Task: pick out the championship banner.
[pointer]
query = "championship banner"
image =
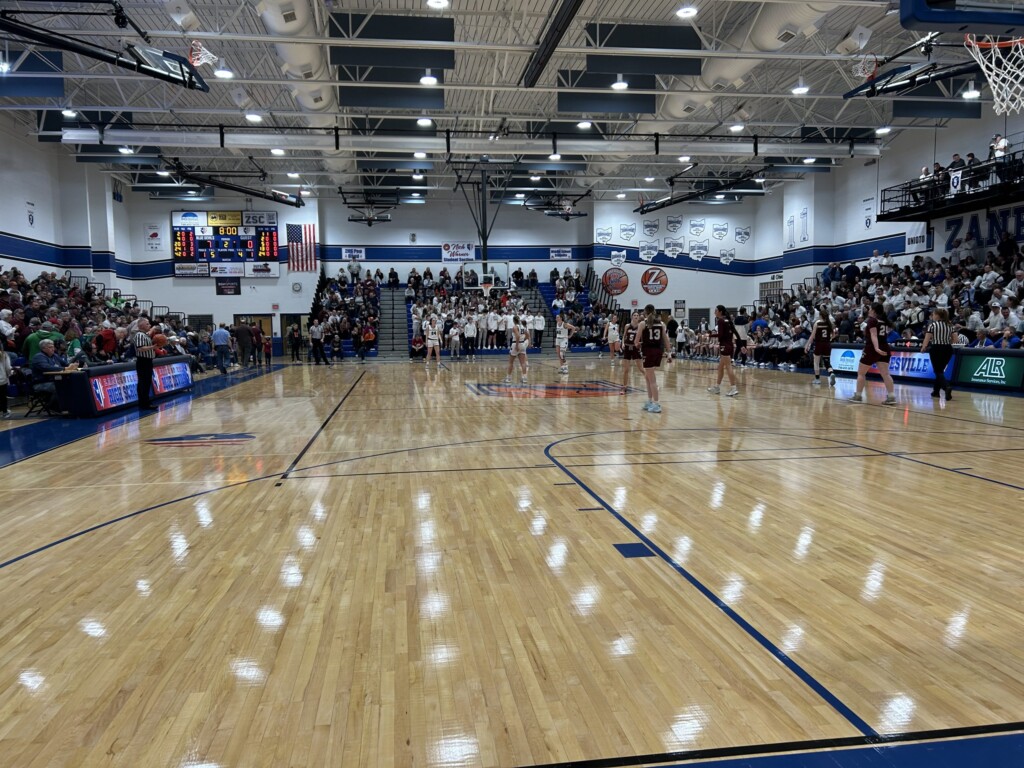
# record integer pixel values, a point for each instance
(561, 254)
(954, 181)
(458, 252)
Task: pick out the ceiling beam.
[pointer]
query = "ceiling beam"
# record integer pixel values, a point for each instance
(561, 18)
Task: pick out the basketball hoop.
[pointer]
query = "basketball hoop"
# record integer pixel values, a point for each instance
(198, 54)
(866, 67)
(1002, 62)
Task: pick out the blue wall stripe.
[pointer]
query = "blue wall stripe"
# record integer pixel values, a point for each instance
(82, 257)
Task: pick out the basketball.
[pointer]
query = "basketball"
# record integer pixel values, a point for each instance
(159, 340)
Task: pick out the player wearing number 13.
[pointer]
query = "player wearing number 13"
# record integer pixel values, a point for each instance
(655, 345)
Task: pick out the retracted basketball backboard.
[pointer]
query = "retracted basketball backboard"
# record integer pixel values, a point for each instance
(973, 16)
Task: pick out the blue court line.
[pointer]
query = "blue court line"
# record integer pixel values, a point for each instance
(28, 440)
(746, 626)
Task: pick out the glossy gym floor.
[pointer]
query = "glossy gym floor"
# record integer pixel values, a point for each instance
(380, 565)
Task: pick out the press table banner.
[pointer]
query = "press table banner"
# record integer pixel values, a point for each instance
(906, 364)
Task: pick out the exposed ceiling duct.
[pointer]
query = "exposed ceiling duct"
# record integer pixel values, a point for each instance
(305, 61)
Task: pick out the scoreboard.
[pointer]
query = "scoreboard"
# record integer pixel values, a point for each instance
(201, 249)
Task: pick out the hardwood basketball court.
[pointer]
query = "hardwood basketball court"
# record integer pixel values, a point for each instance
(425, 568)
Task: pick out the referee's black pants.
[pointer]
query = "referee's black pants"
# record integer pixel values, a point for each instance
(940, 355)
(144, 371)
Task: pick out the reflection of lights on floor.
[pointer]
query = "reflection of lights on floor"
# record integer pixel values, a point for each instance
(586, 599)
(270, 618)
(557, 555)
(248, 671)
(717, 494)
(733, 590)
(179, 546)
(525, 499)
(32, 680)
(755, 519)
(956, 628)
(803, 543)
(440, 655)
(318, 511)
(291, 574)
(454, 752)
(793, 638)
(306, 537)
(682, 551)
(874, 581)
(423, 500)
(623, 646)
(897, 714)
(92, 628)
(648, 523)
(434, 605)
(685, 728)
(427, 532)
(143, 587)
(428, 562)
(203, 514)
(538, 525)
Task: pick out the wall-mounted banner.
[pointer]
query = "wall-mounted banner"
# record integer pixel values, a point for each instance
(654, 281)
(604, 235)
(461, 251)
(697, 227)
(260, 269)
(679, 312)
(154, 240)
(191, 270)
(229, 286)
(627, 231)
(615, 281)
(189, 219)
(651, 227)
(30, 214)
(742, 234)
(674, 247)
(224, 218)
(954, 181)
(349, 253)
(674, 223)
(649, 249)
(698, 249)
(228, 269)
(618, 258)
(561, 254)
(727, 256)
(720, 230)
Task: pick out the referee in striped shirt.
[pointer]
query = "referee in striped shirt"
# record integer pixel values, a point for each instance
(939, 346)
(145, 353)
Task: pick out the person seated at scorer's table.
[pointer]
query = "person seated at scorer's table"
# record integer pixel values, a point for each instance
(45, 361)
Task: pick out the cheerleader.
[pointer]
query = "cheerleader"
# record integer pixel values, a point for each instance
(562, 333)
(432, 334)
(822, 334)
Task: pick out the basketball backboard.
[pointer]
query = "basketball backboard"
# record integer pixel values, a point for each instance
(988, 18)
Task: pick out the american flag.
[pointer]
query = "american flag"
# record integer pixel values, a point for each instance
(302, 248)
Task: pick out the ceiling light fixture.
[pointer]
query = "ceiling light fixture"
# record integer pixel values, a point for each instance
(800, 89)
(619, 84)
(520, 195)
(649, 179)
(621, 195)
(417, 177)
(163, 173)
(883, 130)
(972, 92)
(126, 150)
(684, 158)
(428, 79)
(760, 179)
(420, 155)
(810, 160)
(424, 122)
(5, 66)
(584, 125)
(686, 12)
(254, 117)
(277, 152)
(69, 113)
(416, 194)
(304, 192)
(736, 127)
(719, 197)
(437, 5)
(554, 156)
(292, 175)
(222, 71)
(535, 178)
(193, 192)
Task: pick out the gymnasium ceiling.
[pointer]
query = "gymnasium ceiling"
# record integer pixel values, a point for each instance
(493, 43)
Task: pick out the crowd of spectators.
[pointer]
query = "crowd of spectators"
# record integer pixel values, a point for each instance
(980, 289)
(933, 182)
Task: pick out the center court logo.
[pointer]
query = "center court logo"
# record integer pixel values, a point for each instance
(654, 281)
(615, 281)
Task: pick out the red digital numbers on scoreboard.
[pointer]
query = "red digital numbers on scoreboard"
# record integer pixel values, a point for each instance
(184, 247)
(267, 244)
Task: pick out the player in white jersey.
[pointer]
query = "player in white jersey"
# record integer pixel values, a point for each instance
(611, 337)
(432, 333)
(562, 333)
(518, 343)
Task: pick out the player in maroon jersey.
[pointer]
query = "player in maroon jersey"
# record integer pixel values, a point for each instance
(654, 345)
(727, 338)
(876, 352)
(820, 345)
(630, 349)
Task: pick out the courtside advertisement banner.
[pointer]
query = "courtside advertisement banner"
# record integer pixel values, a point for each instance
(169, 378)
(991, 370)
(908, 365)
(115, 389)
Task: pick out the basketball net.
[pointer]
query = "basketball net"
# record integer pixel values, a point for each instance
(198, 54)
(866, 67)
(1002, 63)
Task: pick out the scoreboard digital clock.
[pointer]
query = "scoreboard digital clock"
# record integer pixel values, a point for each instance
(204, 250)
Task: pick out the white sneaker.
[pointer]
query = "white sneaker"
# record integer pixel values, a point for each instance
(715, 390)
(732, 392)
(655, 408)
(890, 400)
(647, 405)
(507, 380)
(564, 369)
(816, 382)
(7, 414)
(855, 398)
(831, 379)
(523, 380)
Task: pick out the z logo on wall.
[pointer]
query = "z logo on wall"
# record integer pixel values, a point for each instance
(727, 256)
(674, 223)
(651, 227)
(697, 227)
(627, 231)
(742, 234)
(719, 231)
(604, 235)
(649, 249)
(654, 281)
(618, 258)
(673, 247)
(698, 249)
